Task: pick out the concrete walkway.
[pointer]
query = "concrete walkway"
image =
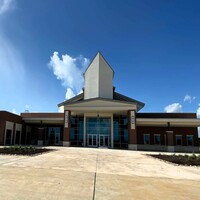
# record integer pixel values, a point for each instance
(83, 173)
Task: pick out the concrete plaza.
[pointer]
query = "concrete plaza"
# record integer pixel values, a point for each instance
(85, 173)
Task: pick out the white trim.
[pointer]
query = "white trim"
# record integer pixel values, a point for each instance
(100, 104)
(164, 122)
(42, 119)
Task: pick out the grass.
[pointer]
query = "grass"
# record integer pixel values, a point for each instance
(23, 150)
(187, 160)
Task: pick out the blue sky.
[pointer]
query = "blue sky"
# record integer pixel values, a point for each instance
(153, 47)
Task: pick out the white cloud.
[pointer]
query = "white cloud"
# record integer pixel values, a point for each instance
(14, 111)
(69, 94)
(27, 108)
(188, 98)
(69, 70)
(173, 108)
(6, 5)
(80, 91)
(11, 61)
(61, 109)
(198, 111)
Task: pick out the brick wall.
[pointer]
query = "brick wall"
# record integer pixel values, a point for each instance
(141, 130)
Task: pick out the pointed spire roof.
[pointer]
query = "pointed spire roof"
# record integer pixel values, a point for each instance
(100, 59)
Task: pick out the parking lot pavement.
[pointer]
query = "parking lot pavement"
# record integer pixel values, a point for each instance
(85, 173)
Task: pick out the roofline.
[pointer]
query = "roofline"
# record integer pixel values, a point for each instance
(143, 104)
(5, 111)
(69, 100)
(99, 98)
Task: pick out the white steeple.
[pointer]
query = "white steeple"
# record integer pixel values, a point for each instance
(98, 79)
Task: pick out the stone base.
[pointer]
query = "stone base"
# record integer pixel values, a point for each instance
(132, 147)
(188, 149)
(147, 147)
(66, 143)
(170, 148)
(40, 142)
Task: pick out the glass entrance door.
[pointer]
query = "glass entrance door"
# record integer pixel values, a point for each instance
(92, 140)
(98, 131)
(103, 140)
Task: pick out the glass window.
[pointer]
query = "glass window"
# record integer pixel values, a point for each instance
(17, 137)
(146, 139)
(120, 131)
(190, 140)
(98, 130)
(54, 136)
(178, 139)
(76, 130)
(157, 139)
(8, 137)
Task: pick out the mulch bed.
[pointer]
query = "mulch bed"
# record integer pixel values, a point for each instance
(25, 153)
(187, 160)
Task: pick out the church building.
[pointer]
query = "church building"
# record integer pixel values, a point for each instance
(102, 117)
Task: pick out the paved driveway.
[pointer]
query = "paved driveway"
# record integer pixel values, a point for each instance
(84, 173)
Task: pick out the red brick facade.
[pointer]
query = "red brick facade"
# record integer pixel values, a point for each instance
(184, 131)
(6, 116)
(39, 129)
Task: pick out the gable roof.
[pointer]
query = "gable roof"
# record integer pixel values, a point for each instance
(116, 97)
(121, 97)
(78, 97)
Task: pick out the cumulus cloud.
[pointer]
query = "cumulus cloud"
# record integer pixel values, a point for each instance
(69, 94)
(6, 5)
(61, 109)
(173, 108)
(69, 71)
(188, 98)
(198, 111)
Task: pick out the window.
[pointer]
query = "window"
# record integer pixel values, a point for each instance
(146, 139)
(190, 140)
(8, 140)
(120, 131)
(157, 139)
(17, 137)
(178, 139)
(76, 130)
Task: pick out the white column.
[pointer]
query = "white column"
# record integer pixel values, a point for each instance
(112, 135)
(84, 131)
